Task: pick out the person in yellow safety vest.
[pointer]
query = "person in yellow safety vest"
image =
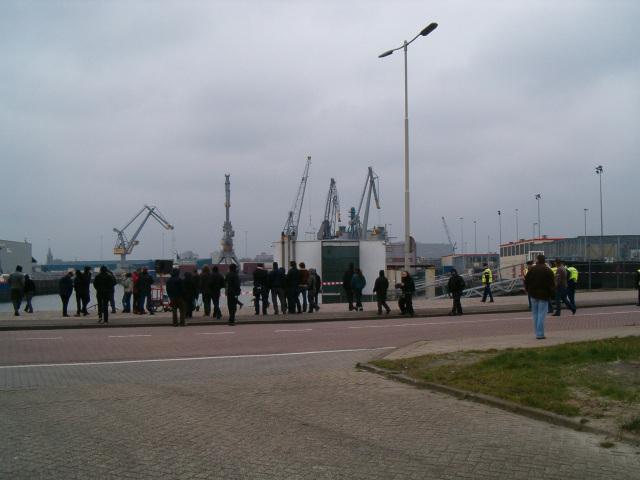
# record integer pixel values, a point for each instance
(487, 279)
(572, 281)
(638, 286)
(526, 270)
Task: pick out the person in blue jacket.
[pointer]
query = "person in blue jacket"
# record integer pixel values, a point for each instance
(358, 282)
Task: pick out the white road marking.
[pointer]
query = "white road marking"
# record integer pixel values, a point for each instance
(295, 330)
(188, 359)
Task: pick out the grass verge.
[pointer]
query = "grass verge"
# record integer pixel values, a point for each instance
(594, 379)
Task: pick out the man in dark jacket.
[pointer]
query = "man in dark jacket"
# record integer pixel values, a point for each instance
(29, 292)
(144, 289)
(380, 288)
(293, 281)
(260, 289)
(456, 286)
(176, 293)
(540, 285)
(408, 287)
(217, 284)
(65, 289)
(204, 287)
(232, 289)
(346, 284)
(85, 286)
(276, 279)
(104, 284)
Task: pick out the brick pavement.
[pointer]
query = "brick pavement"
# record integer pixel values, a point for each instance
(298, 417)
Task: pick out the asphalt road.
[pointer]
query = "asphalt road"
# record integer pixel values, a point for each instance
(272, 401)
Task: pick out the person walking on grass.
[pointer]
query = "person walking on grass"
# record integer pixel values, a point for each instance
(539, 283)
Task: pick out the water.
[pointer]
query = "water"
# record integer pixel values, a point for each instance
(52, 303)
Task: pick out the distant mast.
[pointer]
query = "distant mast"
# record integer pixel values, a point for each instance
(228, 255)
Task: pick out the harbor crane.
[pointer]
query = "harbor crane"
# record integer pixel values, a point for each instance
(358, 228)
(446, 229)
(290, 230)
(228, 255)
(329, 227)
(123, 245)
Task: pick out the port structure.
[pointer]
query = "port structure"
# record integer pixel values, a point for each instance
(358, 228)
(329, 227)
(125, 246)
(290, 230)
(446, 230)
(227, 255)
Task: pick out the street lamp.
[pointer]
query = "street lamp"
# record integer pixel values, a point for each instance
(599, 173)
(500, 242)
(538, 197)
(475, 238)
(407, 238)
(585, 245)
(489, 237)
(517, 233)
(533, 235)
(462, 236)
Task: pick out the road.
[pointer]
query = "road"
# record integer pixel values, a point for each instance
(272, 401)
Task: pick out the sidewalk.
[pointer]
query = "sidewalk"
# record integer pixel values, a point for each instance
(327, 313)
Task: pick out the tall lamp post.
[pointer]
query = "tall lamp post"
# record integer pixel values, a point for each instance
(585, 245)
(475, 238)
(462, 236)
(538, 197)
(517, 233)
(407, 237)
(533, 235)
(599, 173)
(500, 243)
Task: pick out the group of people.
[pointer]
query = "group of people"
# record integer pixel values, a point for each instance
(544, 283)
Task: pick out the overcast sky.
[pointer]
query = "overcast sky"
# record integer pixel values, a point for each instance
(106, 106)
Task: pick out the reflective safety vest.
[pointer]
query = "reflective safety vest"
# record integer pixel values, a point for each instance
(573, 274)
(487, 276)
(554, 270)
(526, 270)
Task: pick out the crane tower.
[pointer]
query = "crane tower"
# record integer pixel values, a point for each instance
(123, 245)
(228, 255)
(290, 230)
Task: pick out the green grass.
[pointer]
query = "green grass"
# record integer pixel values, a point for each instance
(553, 378)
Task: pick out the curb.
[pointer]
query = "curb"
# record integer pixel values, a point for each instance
(534, 413)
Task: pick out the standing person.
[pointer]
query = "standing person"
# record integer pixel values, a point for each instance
(540, 286)
(112, 300)
(29, 292)
(358, 282)
(78, 286)
(176, 293)
(380, 288)
(261, 288)
(554, 269)
(456, 286)
(314, 287)
(276, 280)
(217, 284)
(86, 289)
(526, 270)
(561, 289)
(104, 285)
(191, 293)
(572, 281)
(196, 282)
(487, 279)
(16, 284)
(232, 289)
(127, 285)
(144, 289)
(293, 280)
(408, 287)
(204, 285)
(136, 293)
(302, 286)
(65, 289)
(346, 284)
